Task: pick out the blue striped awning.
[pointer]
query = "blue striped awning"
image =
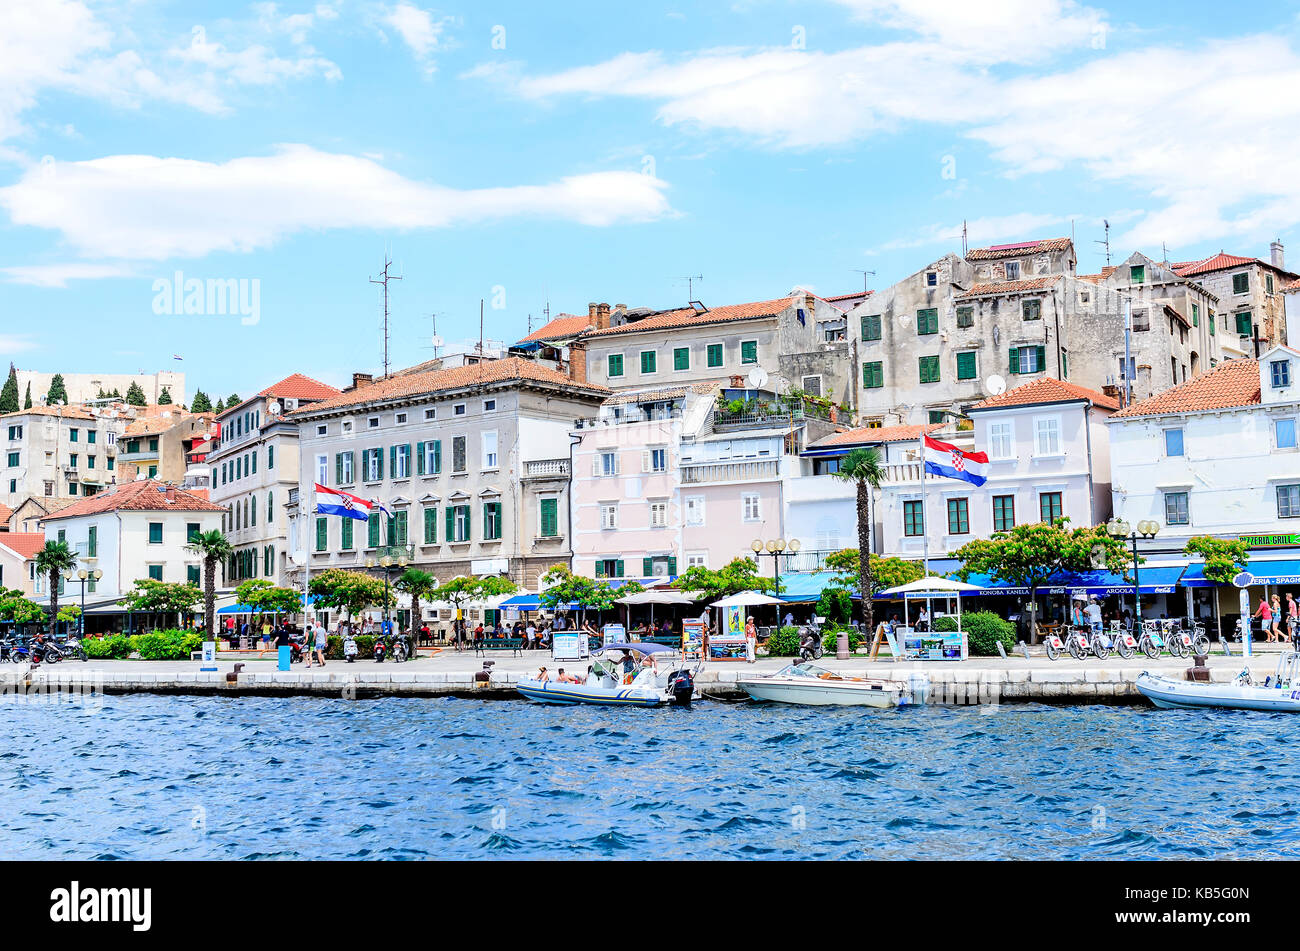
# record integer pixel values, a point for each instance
(1159, 579)
(1282, 571)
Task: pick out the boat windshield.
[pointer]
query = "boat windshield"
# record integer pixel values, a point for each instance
(806, 670)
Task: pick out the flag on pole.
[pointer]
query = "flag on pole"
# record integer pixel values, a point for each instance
(945, 459)
(342, 503)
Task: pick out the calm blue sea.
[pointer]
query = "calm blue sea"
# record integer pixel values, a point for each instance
(146, 777)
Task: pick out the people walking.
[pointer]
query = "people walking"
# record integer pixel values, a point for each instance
(322, 642)
(1265, 615)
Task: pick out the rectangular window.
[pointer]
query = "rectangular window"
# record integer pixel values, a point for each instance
(1049, 506)
(155, 533)
(1004, 512)
(374, 464)
(750, 507)
(1141, 320)
(92, 542)
(1280, 372)
(616, 364)
(966, 368)
(373, 530)
(491, 521)
(431, 524)
(191, 575)
(343, 467)
(1031, 359)
(1012, 270)
(1209, 321)
(345, 534)
(1244, 328)
(1241, 283)
(965, 316)
(72, 460)
(1268, 283)
(658, 514)
(1196, 315)
(458, 461)
(657, 460)
(609, 568)
(13, 459)
(1176, 508)
(1284, 433)
(714, 353)
(270, 457)
(928, 367)
(459, 523)
(549, 517)
(322, 470)
(873, 375)
(695, 510)
(1137, 274)
(1173, 442)
(871, 327)
(927, 321)
(749, 351)
(648, 361)
(322, 534)
(609, 516)
(155, 572)
(913, 519)
(607, 464)
(488, 445)
(958, 517)
(1031, 309)
(682, 358)
(431, 455)
(1047, 436)
(1001, 444)
(400, 461)
(1288, 501)
(72, 435)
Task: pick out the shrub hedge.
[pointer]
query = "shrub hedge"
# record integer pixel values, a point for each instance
(983, 631)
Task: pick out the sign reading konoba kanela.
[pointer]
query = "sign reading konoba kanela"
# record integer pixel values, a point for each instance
(1269, 541)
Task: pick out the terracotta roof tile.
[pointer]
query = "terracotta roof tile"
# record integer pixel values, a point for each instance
(562, 326)
(143, 495)
(1015, 250)
(69, 412)
(1232, 383)
(881, 434)
(6, 513)
(688, 316)
(1292, 288)
(23, 544)
(437, 381)
(662, 393)
(1010, 287)
(1219, 262)
(296, 386)
(1047, 389)
(838, 297)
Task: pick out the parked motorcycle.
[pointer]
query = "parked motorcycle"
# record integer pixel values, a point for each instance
(70, 649)
(400, 650)
(810, 643)
(349, 647)
(297, 648)
(381, 649)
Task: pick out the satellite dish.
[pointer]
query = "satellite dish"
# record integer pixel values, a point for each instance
(757, 378)
(436, 340)
(300, 558)
(274, 408)
(996, 384)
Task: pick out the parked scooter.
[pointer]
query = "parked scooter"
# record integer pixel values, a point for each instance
(349, 647)
(381, 649)
(400, 650)
(297, 648)
(810, 643)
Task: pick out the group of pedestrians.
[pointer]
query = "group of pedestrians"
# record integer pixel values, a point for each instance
(1278, 624)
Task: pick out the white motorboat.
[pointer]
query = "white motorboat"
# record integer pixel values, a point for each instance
(816, 686)
(615, 684)
(1279, 693)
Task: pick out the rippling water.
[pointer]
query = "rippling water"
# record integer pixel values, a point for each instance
(157, 777)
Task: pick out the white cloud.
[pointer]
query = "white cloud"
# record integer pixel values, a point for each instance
(16, 343)
(58, 275)
(147, 207)
(418, 30)
(254, 65)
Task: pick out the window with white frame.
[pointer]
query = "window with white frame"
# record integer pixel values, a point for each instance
(1001, 441)
(1280, 373)
(373, 422)
(655, 460)
(321, 429)
(1047, 436)
(399, 418)
(1176, 508)
(750, 507)
(1173, 442)
(373, 461)
(322, 470)
(658, 514)
(1288, 501)
(607, 464)
(489, 406)
(609, 515)
(695, 510)
(430, 414)
(401, 462)
(697, 559)
(1013, 270)
(1284, 436)
(489, 444)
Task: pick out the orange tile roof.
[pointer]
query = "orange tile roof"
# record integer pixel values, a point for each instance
(1010, 287)
(149, 425)
(1047, 389)
(662, 393)
(23, 544)
(688, 316)
(563, 325)
(1219, 262)
(1232, 383)
(6, 513)
(1292, 288)
(143, 495)
(1015, 250)
(296, 386)
(867, 435)
(511, 369)
(848, 296)
(69, 412)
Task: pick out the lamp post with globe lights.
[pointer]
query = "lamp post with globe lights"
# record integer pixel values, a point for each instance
(1146, 528)
(83, 575)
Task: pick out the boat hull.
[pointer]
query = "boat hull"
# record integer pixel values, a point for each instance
(1193, 695)
(549, 691)
(818, 694)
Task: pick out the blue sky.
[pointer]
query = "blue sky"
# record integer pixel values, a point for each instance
(575, 152)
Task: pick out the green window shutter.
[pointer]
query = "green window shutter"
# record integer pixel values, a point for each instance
(409, 465)
(682, 358)
(419, 458)
(715, 355)
(648, 361)
(430, 524)
(927, 321)
(616, 364)
(966, 365)
(322, 534)
(550, 517)
(1041, 358)
(1065, 365)
(672, 564)
(450, 529)
(1240, 283)
(402, 529)
(345, 534)
(379, 460)
(647, 567)
(1013, 361)
(600, 569)
(749, 351)
(618, 568)
(253, 460)
(338, 468)
(487, 520)
(469, 523)
(437, 455)
(372, 531)
(392, 461)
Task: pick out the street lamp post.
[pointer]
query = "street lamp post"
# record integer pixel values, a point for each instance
(83, 576)
(775, 549)
(393, 556)
(1147, 528)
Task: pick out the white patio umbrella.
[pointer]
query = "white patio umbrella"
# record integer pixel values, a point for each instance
(932, 587)
(745, 599)
(653, 597)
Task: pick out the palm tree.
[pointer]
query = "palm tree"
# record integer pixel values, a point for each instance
(52, 561)
(861, 466)
(418, 584)
(215, 548)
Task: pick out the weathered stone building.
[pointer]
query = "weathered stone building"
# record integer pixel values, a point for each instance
(1250, 293)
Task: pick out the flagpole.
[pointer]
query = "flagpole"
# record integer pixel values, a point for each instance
(306, 564)
(925, 530)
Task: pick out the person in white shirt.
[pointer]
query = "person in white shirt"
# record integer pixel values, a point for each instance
(1093, 612)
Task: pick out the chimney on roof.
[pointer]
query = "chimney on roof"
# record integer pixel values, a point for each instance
(1275, 255)
(361, 379)
(591, 311)
(602, 316)
(578, 362)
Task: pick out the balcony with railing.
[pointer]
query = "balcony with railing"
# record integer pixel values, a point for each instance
(750, 470)
(546, 469)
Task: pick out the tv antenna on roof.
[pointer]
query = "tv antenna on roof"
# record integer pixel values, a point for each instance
(690, 280)
(1105, 243)
(388, 262)
(864, 277)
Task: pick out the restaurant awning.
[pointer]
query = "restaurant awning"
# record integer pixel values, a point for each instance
(806, 585)
(1282, 571)
(1156, 579)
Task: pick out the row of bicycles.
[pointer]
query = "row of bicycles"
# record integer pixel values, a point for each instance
(1152, 638)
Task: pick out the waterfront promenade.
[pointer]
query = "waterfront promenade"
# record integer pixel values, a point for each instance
(986, 680)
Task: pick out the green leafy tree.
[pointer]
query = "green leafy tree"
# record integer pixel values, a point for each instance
(266, 598)
(201, 403)
(150, 595)
(587, 593)
(135, 395)
(350, 591)
(420, 585)
(1031, 554)
(58, 391)
(740, 574)
(27, 401)
(9, 393)
(863, 468)
(1224, 558)
(53, 561)
(215, 549)
(233, 400)
(220, 407)
(69, 613)
(461, 591)
(885, 572)
(17, 607)
(164, 397)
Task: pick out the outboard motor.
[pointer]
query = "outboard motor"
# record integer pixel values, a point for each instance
(682, 685)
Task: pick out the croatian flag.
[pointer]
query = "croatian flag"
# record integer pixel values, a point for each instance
(342, 503)
(945, 459)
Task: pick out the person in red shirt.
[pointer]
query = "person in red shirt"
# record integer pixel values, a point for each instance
(1265, 615)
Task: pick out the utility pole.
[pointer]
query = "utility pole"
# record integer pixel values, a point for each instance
(388, 262)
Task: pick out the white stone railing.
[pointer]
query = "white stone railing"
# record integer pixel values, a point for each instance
(748, 471)
(546, 467)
